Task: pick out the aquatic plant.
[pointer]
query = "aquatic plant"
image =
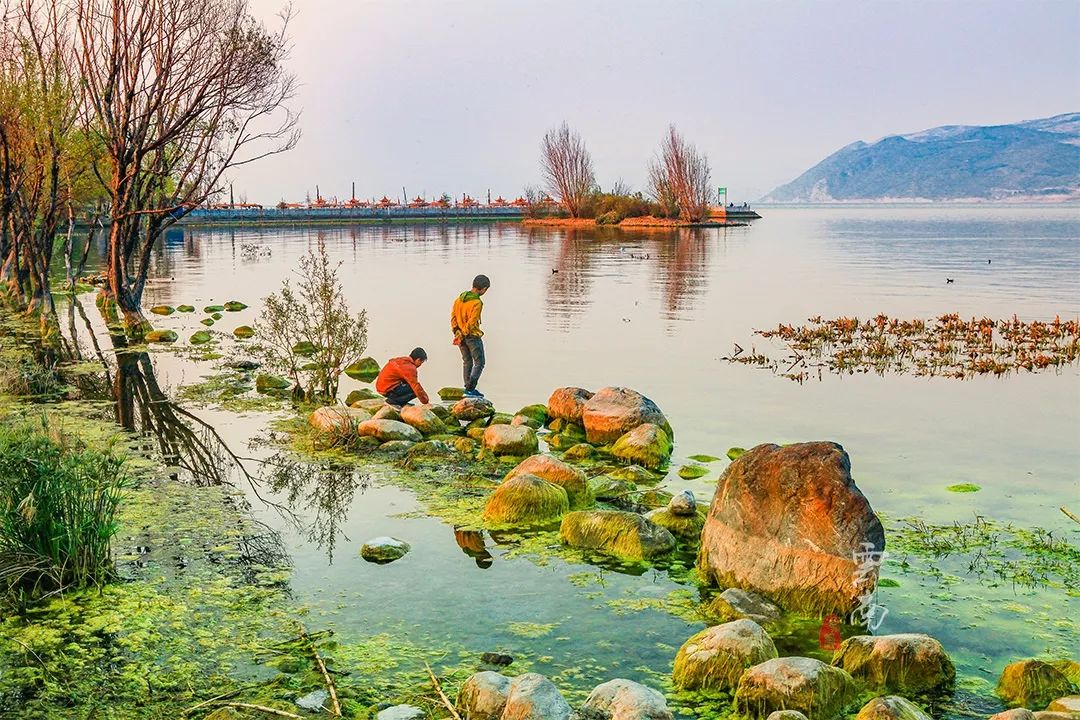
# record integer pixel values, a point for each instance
(58, 501)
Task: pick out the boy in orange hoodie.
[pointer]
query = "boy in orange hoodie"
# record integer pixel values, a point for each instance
(465, 324)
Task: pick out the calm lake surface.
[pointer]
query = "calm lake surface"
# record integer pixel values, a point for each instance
(657, 312)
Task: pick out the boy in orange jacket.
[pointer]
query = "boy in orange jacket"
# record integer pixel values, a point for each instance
(398, 382)
(465, 324)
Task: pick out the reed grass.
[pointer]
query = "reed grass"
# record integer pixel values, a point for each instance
(58, 503)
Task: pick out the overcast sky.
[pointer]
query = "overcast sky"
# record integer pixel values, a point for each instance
(455, 96)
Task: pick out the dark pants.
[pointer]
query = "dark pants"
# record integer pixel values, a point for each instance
(472, 359)
(400, 394)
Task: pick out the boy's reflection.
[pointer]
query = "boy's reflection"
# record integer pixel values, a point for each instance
(471, 543)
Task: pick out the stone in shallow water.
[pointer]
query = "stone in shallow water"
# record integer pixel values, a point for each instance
(715, 658)
(199, 337)
(624, 535)
(692, 472)
(516, 440)
(162, 310)
(614, 411)
(483, 696)
(313, 701)
(559, 473)
(1032, 683)
(646, 445)
(244, 332)
(621, 699)
(235, 306)
(361, 394)
(810, 686)
(891, 707)
(160, 336)
(401, 712)
(451, 393)
(568, 403)
(526, 500)
(683, 504)
(735, 603)
(384, 549)
(469, 409)
(906, 662)
(185, 308)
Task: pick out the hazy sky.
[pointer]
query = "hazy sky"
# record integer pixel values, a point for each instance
(455, 96)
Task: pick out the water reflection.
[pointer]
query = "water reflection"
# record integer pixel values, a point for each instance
(472, 544)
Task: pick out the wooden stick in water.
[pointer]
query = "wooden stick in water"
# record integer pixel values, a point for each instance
(322, 668)
(442, 695)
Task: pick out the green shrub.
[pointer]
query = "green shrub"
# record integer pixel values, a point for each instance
(58, 501)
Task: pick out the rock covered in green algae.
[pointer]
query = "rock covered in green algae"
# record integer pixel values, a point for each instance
(271, 383)
(636, 474)
(526, 500)
(1067, 704)
(735, 453)
(568, 403)
(646, 445)
(163, 310)
(208, 322)
(615, 411)
(465, 445)
(234, 306)
(715, 658)
(538, 413)
(365, 369)
(200, 337)
(337, 420)
(558, 473)
(185, 308)
(687, 527)
(443, 413)
(501, 419)
(704, 458)
(244, 331)
(620, 534)
(362, 394)
(525, 420)
(510, 440)
(470, 409)
(423, 419)
(907, 662)
(810, 686)
(161, 336)
(389, 430)
(579, 452)
(786, 715)
(210, 309)
(447, 394)
(891, 707)
(384, 549)
(737, 604)
(396, 448)
(1032, 683)
(429, 450)
(605, 487)
(475, 433)
(372, 405)
(693, 472)
(624, 700)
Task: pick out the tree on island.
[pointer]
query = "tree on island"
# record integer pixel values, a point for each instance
(679, 178)
(567, 167)
(178, 92)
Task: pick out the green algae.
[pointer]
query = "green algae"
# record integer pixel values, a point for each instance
(692, 472)
(964, 488)
(230, 390)
(531, 629)
(703, 458)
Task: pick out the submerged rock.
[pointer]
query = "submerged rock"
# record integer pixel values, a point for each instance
(423, 419)
(526, 500)
(387, 430)
(401, 712)
(605, 487)
(313, 701)
(687, 527)
(271, 384)
(636, 474)
(735, 603)
(235, 306)
(683, 504)
(621, 699)
(469, 409)
(1067, 704)
(451, 393)
(185, 308)
(568, 403)
(788, 527)
(559, 473)
(624, 535)
(891, 707)
(483, 696)
(810, 686)
(365, 370)
(646, 445)
(1032, 683)
(510, 440)
(160, 336)
(909, 662)
(356, 396)
(692, 472)
(614, 411)
(715, 658)
(395, 448)
(384, 549)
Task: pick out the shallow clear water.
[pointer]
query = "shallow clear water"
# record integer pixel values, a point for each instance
(656, 312)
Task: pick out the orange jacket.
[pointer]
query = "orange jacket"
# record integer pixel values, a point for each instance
(398, 370)
(465, 315)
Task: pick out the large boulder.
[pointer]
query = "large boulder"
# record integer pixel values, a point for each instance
(909, 662)
(715, 658)
(624, 535)
(387, 430)
(526, 500)
(510, 440)
(534, 697)
(624, 700)
(1032, 683)
(557, 472)
(472, 408)
(568, 403)
(815, 689)
(337, 420)
(646, 445)
(1067, 704)
(483, 696)
(614, 411)
(790, 523)
(423, 419)
(1014, 714)
(736, 603)
(891, 707)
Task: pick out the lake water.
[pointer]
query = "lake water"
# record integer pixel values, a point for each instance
(656, 312)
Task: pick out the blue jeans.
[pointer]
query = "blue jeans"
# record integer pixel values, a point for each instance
(400, 394)
(472, 360)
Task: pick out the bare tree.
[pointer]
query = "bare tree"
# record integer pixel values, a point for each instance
(567, 167)
(178, 92)
(679, 178)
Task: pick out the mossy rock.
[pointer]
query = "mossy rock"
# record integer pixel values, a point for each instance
(891, 707)
(481, 423)
(655, 498)
(684, 527)
(819, 691)
(397, 448)
(693, 472)
(364, 443)
(525, 500)
(739, 604)
(185, 308)
(624, 535)
(567, 429)
(714, 659)
(647, 445)
(443, 413)
(213, 309)
(448, 394)
(163, 309)
(365, 370)
(208, 322)
(556, 441)
(607, 488)
(361, 394)
(1070, 668)
(704, 458)
(475, 433)
(1032, 684)
(558, 473)
(235, 306)
(538, 413)
(200, 337)
(501, 419)
(636, 474)
(735, 453)
(217, 316)
(271, 384)
(161, 336)
(579, 453)
(244, 331)
(526, 421)
(464, 445)
(906, 662)
(305, 348)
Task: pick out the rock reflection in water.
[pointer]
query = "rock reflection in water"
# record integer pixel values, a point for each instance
(472, 544)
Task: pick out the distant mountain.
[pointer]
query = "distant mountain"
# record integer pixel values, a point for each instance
(1031, 160)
